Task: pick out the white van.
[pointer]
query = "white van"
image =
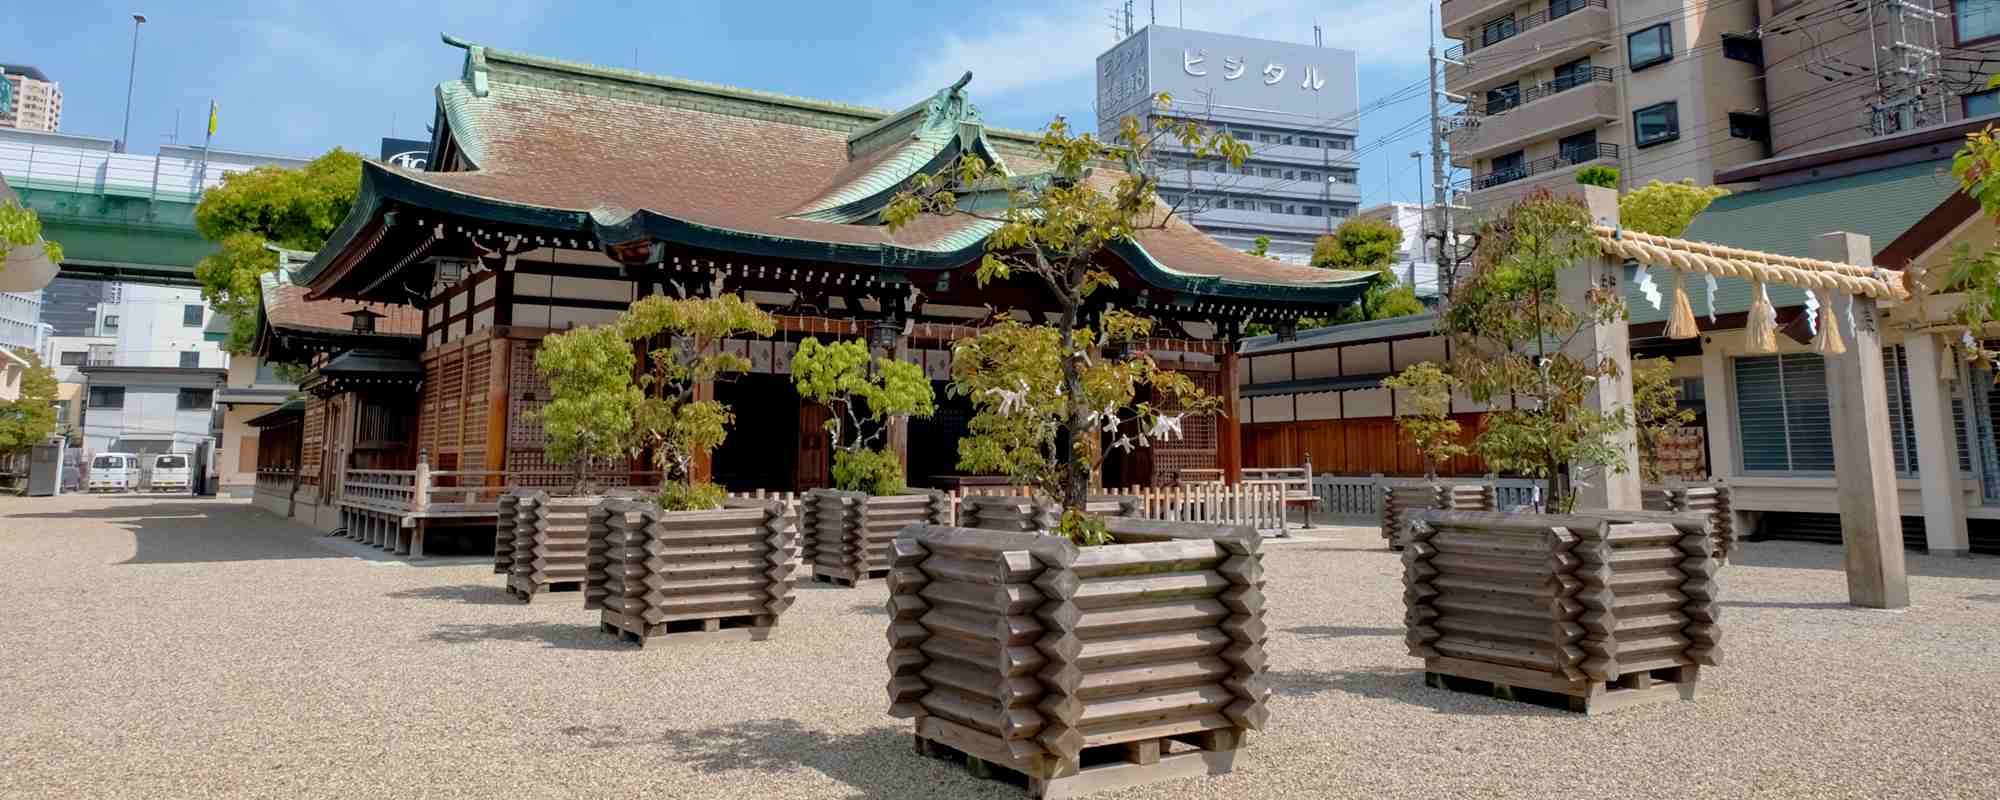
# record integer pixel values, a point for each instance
(114, 472)
(171, 473)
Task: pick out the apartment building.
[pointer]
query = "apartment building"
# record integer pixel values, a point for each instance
(28, 99)
(1554, 86)
(1689, 89)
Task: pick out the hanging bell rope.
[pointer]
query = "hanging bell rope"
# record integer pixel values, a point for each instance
(1762, 329)
(1828, 342)
(1680, 324)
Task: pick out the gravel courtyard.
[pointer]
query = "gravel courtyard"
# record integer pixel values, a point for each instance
(166, 648)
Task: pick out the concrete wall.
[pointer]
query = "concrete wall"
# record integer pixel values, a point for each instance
(152, 331)
(1704, 85)
(149, 413)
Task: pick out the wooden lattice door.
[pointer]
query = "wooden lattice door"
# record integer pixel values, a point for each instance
(815, 447)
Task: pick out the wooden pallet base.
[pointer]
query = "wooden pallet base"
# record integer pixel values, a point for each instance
(1590, 698)
(632, 629)
(525, 589)
(1115, 766)
(845, 577)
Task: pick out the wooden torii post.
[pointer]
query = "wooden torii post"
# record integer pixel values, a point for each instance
(1840, 272)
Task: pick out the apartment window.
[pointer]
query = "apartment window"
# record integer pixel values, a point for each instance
(1309, 175)
(1782, 416)
(1563, 8)
(1981, 103)
(1512, 166)
(1340, 213)
(1654, 45)
(1578, 148)
(1656, 124)
(1573, 74)
(1268, 172)
(1268, 138)
(107, 397)
(72, 358)
(1242, 205)
(1312, 211)
(1291, 174)
(195, 400)
(191, 316)
(111, 322)
(1975, 20)
(1308, 141)
(114, 292)
(190, 360)
(1502, 98)
(1498, 31)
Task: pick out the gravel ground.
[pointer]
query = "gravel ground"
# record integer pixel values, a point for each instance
(158, 647)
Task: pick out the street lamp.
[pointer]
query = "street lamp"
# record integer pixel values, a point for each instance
(131, 75)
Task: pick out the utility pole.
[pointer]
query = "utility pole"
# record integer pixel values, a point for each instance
(1447, 267)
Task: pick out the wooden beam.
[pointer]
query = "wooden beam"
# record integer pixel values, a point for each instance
(1229, 426)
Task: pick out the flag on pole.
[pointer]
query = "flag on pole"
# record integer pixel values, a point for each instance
(211, 117)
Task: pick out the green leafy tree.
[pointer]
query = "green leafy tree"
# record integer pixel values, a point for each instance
(597, 408)
(866, 395)
(31, 418)
(1366, 243)
(1656, 404)
(1045, 395)
(1511, 332)
(1428, 424)
(1665, 209)
(1606, 177)
(21, 227)
(592, 397)
(1975, 274)
(296, 209)
(1261, 247)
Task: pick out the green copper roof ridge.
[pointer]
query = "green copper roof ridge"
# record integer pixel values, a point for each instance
(492, 54)
(829, 206)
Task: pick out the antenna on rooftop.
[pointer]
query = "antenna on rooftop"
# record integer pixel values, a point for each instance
(1316, 37)
(1121, 20)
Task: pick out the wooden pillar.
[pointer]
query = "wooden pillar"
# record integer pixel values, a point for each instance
(1229, 426)
(498, 383)
(1864, 468)
(1609, 489)
(1937, 447)
(898, 439)
(704, 466)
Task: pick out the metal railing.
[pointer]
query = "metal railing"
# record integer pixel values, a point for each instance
(90, 171)
(1501, 30)
(1476, 108)
(1569, 157)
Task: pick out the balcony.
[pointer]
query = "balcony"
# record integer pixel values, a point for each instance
(1499, 187)
(1243, 219)
(1454, 15)
(1570, 104)
(1532, 42)
(1295, 189)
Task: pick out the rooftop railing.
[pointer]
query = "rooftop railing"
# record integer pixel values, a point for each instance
(1569, 157)
(1505, 28)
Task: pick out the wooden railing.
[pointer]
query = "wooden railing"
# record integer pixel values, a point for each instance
(1260, 504)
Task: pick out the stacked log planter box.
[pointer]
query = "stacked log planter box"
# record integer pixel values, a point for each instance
(1400, 504)
(521, 549)
(1711, 501)
(696, 574)
(848, 535)
(1033, 515)
(1082, 670)
(1595, 611)
(504, 522)
(557, 544)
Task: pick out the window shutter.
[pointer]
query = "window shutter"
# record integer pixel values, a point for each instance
(1808, 416)
(1902, 422)
(1760, 414)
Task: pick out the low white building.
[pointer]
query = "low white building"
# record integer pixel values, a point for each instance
(132, 409)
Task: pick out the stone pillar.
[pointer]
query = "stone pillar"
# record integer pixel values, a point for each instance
(1871, 525)
(1937, 447)
(1612, 342)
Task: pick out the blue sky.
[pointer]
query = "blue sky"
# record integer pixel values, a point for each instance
(298, 78)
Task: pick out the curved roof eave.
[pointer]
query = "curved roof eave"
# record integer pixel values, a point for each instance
(1338, 291)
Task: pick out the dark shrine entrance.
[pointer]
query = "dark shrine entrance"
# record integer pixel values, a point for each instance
(764, 445)
(933, 451)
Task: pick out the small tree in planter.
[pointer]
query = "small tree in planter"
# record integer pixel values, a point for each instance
(866, 396)
(1430, 429)
(1512, 331)
(1046, 394)
(594, 378)
(848, 530)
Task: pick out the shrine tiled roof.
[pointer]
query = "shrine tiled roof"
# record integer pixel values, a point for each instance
(284, 305)
(617, 156)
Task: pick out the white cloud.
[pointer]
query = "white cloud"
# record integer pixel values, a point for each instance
(1061, 45)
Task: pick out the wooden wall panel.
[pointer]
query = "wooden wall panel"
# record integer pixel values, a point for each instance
(1350, 447)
